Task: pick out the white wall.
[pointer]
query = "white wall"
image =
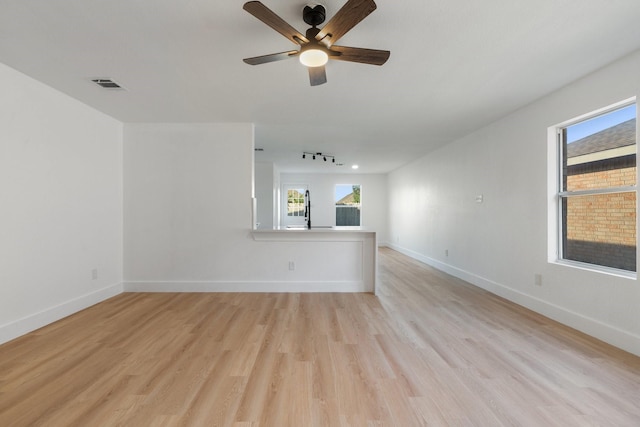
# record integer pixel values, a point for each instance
(501, 244)
(187, 200)
(374, 198)
(265, 173)
(61, 215)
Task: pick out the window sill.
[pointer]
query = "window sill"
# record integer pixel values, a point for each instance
(597, 269)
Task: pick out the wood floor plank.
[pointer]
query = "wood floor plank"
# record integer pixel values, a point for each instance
(428, 350)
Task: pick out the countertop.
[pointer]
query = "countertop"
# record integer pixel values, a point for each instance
(341, 233)
(314, 229)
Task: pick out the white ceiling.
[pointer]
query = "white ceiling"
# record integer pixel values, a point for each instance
(455, 66)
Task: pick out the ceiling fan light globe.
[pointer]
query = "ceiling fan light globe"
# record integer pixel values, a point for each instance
(313, 58)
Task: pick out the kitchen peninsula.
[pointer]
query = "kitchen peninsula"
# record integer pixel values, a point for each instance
(326, 259)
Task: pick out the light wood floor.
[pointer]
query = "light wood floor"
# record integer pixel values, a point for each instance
(430, 350)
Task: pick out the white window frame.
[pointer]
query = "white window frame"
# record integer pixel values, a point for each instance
(555, 194)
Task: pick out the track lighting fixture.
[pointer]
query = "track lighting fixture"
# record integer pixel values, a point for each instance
(320, 156)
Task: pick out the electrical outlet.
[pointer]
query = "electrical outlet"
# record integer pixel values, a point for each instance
(292, 265)
(538, 279)
(94, 274)
(446, 252)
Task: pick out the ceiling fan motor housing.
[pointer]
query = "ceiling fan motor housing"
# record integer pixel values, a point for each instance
(314, 15)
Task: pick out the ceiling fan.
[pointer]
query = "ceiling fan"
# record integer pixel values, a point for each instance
(317, 45)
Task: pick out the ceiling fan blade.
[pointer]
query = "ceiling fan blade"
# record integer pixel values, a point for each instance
(358, 54)
(347, 17)
(257, 60)
(267, 16)
(317, 75)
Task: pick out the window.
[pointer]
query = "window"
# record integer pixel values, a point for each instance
(295, 201)
(347, 205)
(596, 190)
(292, 204)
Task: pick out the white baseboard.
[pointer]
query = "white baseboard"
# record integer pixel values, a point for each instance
(190, 286)
(593, 327)
(35, 321)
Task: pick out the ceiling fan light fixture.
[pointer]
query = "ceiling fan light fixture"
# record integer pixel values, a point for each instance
(313, 57)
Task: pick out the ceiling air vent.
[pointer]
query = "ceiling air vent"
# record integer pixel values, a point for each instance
(107, 83)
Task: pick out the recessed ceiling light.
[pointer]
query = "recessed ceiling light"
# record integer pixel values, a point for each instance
(355, 167)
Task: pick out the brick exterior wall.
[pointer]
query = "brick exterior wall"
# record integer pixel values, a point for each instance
(606, 178)
(602, 229)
